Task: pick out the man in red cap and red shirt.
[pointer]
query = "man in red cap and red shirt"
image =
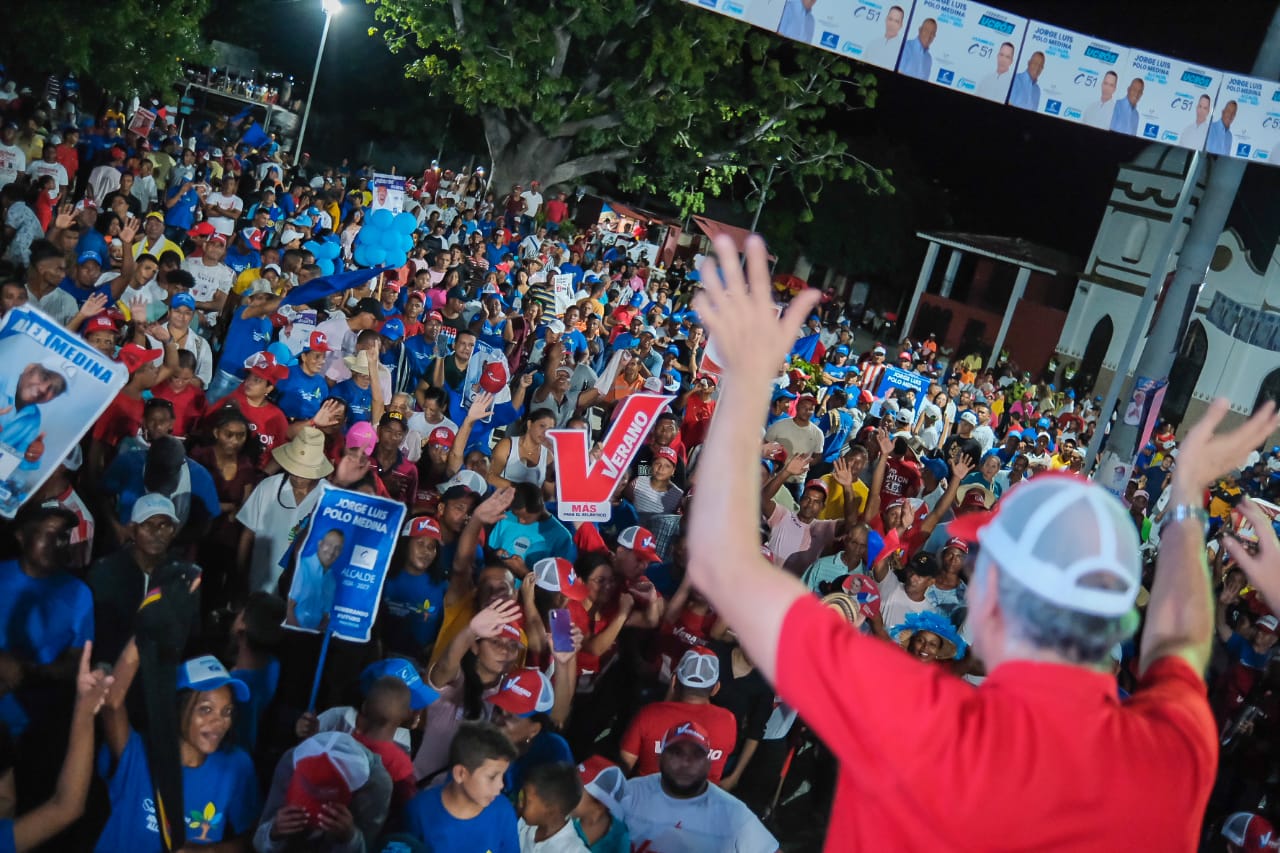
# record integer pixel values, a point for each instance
(123, 417)
(267, 424)
(1052, 589)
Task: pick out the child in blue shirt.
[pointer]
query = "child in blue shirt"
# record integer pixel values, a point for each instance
(469, 812)
(413, 596)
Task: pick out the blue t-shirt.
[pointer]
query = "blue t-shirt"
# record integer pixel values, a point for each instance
(300, 395)
(40, 618)
(239, 262)
(220, 800)
(244, 338)
(419, 354)
(493, 830)
(1243, 651)
(415, 611)
(359, 400)
(183, 214)
(124, 478)
(544, 538)
(262, 684)
(312, 591)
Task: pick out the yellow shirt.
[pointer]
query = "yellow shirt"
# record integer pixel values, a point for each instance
(245, 279)
(833, 510)
(165, 245)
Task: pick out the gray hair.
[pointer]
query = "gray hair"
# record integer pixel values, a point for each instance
(1080, 638)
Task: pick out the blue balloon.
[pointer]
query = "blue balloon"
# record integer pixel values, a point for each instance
(280, 350)
(329, 250)
(404, 243)
(314, 248)
(396, 259)
(381, 219)
(370, 256)
(325, 265)
(389, 240)
(405, 222)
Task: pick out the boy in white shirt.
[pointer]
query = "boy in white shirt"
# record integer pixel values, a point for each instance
(550, 794)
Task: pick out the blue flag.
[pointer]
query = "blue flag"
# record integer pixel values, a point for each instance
(806, 347)
(319, 288)
(255, 137)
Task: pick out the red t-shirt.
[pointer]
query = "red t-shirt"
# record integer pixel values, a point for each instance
(697, 420)
(588, 664)
(266, 421)
(399, 767)
(643, 737)
(557, 211)
(676, 638)
(188, 406)
(901, 479)
(1072, 767)
(122, 418)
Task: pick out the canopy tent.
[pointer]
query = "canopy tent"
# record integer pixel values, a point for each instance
(713, 229)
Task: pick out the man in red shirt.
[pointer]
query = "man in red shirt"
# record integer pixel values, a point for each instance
(1043, 755)
(267, 424)
(697, 679)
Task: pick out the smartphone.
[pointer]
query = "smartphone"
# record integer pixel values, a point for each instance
(561, 630)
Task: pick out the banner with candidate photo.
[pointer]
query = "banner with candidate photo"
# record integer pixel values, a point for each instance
(342, 564)
(964, 46)
(1165, 99)
(896, 379)
(764, 14)
(1069, 75)
(1246, 119)
(871, 31)
(388, 192)
(52, 389)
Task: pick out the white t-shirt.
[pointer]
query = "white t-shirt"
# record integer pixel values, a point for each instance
(894, 603)
(12, 163)
(152, 294)
(209, 281)
(225, 225)
(532, 202)
(418, 423)
(40, 168)
(564, 841)
(270, 514)
(715, 820)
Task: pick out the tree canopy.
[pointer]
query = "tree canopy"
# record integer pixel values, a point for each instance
(121, 46)
(670, 99)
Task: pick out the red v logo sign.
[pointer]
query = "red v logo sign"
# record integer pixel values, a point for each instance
(578, 479)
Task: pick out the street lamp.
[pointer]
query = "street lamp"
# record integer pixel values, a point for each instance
(331, 8)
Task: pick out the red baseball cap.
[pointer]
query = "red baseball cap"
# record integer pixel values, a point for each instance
(603, 780)
(327, 768)
(265, 366)
(202, 229)
(524, 693)
(819, 485)
(687, 731)
(556, 574)
(422, 525)
(957, 543)
(641, 541)
(435, 315)
(668, 454)
(494, 378)
(442, 436)
(134, 357)
(319, 342)
(99, 323)
(1252, 833)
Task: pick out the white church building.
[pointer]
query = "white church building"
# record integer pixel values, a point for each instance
(1232, 344)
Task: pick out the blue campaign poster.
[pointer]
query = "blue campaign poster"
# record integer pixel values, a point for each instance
(342, 564)
(54, 386)
(894, 379)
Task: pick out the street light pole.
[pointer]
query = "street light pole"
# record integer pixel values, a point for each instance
(764, 193)
(331, 8)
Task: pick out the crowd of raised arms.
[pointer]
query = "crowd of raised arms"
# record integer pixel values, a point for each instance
(670, 721)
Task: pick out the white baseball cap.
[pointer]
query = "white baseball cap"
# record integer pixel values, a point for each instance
(1066, 539)
(699, 667)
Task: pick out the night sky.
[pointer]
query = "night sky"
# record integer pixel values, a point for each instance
(1005, 171)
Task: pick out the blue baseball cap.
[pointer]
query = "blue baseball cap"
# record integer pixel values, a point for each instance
(420, 693)
(1071, 393)
(783, 394)
(673, 350)
(182, 300)
(841, 350)
(89, 255)
(936, 467)
(457, 292)
(207, 673)
(637, 300)
(393, 329)
(304, 221)
(1044, 423)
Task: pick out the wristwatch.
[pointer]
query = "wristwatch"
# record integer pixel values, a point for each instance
(1186, 512)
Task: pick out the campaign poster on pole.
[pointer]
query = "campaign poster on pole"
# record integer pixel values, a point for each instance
(963, 46)
(869, 31)
(1246, 120)
(342, 564)
(895, 379)
(388, 192)
(764, 14)
(585, 486)
(142, 121)
(52, 389)
(1164, 99)
(1078, 76)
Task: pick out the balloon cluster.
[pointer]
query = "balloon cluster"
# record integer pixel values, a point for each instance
(326, 251)
(385, 239)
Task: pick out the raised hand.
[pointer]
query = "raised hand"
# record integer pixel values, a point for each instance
(158, 331)
(797, 464)
(92, 685)
(481, 406)
(491, 509)
(330, 414)
(66, 216)
(740, 315)
(884, 442)
(129, 232)
(1204, 456)
(94, 305)
(842, 471)
(962, 465)
(488, 622)
(1262, 568)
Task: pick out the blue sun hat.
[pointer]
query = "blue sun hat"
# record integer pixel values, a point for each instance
(953, 646)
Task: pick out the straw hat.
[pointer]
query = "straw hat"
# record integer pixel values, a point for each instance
(304, 455)
(358, 363)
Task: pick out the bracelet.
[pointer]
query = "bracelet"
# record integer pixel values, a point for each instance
(1186, 512)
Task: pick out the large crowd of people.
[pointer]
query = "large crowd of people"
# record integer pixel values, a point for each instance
(535, 684)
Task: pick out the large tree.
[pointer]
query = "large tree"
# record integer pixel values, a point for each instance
(669, 98)
(121, 46)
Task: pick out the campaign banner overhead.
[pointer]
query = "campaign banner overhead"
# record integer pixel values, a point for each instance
(52, 389)
(963, 46)
(764, 14)
(1246, 121)
(388, 192)
(1078, 77)
(1165, 100)
(871, 31)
